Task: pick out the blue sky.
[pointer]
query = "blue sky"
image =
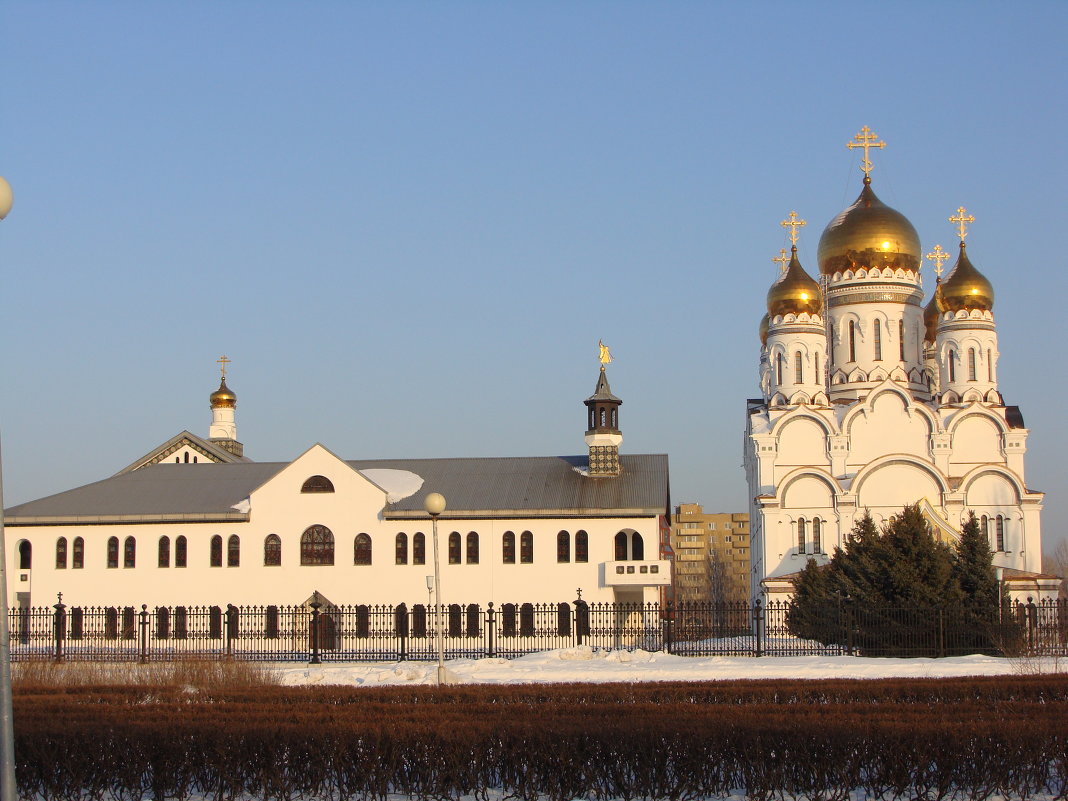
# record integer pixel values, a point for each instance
(408, 224)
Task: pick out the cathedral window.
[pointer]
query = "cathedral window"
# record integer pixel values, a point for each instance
(526, 620)
(778, 369)
(621, 547)
(852, 340)
(508, 548)
(163, 622)
(272, 551)
(454, 548)
(164, 557)
(61, 553)
(419, 620)
(361, 550)
(472, 548)
(877, 339)
(817, 535)
(401, 549)
(901, 338)
(1000, 533)
(563, 547)
(233, 551)
(952, 368)
(317, 484)
(563, 619)
(215, 557)
(419, 548)
(801, 535)
(129, 552)
(799, 376)
(582, 546)
(990, 365)
(270, 622)
(526, 548)
(78, 554)
(317, 546)
(455, 621)
(180, 551)
(473, 620)
(971, 364)
(113, 552)
(816, 369)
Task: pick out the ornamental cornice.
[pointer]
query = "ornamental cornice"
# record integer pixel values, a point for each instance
(874, 296)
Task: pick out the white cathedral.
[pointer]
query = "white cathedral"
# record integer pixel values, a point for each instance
(871, 400)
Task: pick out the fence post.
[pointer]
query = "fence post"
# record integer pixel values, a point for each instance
(144, 632)
(59, 628)
(758, 626)
(1032, 620)
(231, 629)
(315, 660)
(491, 631)
(668, 628)
(403, 626)
(582, 619)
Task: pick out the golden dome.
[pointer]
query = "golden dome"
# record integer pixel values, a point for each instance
(932, 311)
(223, 397)
(765, 321)
(868, 234)
(795, 291)
(965, 287)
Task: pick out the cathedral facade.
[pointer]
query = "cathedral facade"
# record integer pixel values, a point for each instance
(872, 399)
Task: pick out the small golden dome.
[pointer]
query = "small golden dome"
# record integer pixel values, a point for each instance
(223, 397)
(765, 321)
(868, 234)
(966, 288)
(932, 311)
(795, 291)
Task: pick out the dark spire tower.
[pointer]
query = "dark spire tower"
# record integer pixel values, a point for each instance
(602, 431)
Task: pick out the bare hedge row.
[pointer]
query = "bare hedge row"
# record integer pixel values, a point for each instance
(892, 739)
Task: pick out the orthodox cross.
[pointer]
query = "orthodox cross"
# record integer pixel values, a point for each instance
(938, 256)
(782, 260)
(962, 222)
(792, 224)
(222, 361)
(865, 139)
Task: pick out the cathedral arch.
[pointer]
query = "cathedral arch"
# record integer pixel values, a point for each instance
(987, 485)
(976, 437)
(897, 480)
(806, 489)
(802, 440)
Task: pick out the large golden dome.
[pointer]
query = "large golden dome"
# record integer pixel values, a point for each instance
(932, 311)
(868, 234)
(223, 397)
(795, 291)
(965, 287)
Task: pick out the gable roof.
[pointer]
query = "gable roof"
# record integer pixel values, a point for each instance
(549, 486)
(176, 443)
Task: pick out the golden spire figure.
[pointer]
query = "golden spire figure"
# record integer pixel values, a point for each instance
(938, 256)
(793, 224)
(222, 361)
(962, 222)
(605, 356)
(782, 259)
(865, 139)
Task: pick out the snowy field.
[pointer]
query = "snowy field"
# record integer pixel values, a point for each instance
(583, 664)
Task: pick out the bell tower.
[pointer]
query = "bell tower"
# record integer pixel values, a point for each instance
(223, 430)
(603, 436)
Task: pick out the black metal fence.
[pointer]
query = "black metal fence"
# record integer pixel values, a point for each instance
(325, 633)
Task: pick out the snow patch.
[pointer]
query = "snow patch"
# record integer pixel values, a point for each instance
(243, 506)
(398, 484)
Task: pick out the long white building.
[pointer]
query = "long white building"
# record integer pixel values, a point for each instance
(195, 522)
(871, 400)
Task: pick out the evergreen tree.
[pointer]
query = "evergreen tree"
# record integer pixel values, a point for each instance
(980, 593)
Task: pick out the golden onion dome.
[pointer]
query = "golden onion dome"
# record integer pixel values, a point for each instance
(965, 287)
(868, 234)
(765, 321)
(223, 397)
(932, 311)
(795, 291)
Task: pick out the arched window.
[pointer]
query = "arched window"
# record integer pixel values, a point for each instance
(164, 558)
(272, 551)
(817, 535)
(401, 627)
(615, 418)
(621, 547)
(270, 622)
(129, 628)
(113, 551)
(363, 621)
(602, 418)
(163, 622)
(215, 557)
(901, 338)
(799, 375)
(582, 546)
(472, 614)
(233, 551)
(401, 548)
(971, 364)
(180, 551)
(526, 620)
(111, 623)
(778, 369)
(989, 365)
(526, 548)
(78, 554)
(317, 546)
(816, 376)
(852, 340)
(1000, 533)
(61, 553)
(508, 617)
(317, 484)
(418, 548)
(563, 547)
(456, 627)
(472, 548)
(984, 526)
(454, 548)
(129, 552)
(419, 620)
(637, 546)
(801, 540)
(508, 548)
(181, 620)
(877, 339)
(362, 550)
(952, 367)
(563, 619)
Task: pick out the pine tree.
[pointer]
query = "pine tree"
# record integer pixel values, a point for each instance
(979, 592)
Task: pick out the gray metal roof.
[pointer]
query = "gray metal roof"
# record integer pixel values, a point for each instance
(476, 487)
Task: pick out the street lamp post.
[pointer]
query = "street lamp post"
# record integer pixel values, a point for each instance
(435, 505)
(8, 791)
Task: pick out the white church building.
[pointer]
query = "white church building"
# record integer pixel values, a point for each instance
(196, 522)
(871, 400)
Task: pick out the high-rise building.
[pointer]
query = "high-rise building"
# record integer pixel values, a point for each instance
(711, 554)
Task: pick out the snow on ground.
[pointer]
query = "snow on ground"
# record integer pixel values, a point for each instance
(583, 664)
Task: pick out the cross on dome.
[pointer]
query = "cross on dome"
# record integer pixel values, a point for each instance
(962, 222)
(938, 256)
(792, 224)
(782, 259)
(865, 139)
(222, 361)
